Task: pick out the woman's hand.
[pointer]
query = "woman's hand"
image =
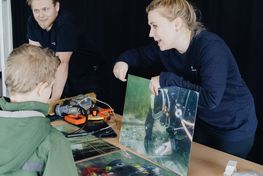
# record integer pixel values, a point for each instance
(164, 149)
(120, 70)
(154, 85)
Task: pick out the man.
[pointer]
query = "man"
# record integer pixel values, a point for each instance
(53, 27)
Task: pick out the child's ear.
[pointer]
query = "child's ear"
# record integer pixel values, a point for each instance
(41, 88)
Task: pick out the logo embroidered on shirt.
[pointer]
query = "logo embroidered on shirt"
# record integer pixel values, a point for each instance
(193, 69)
(53, 43)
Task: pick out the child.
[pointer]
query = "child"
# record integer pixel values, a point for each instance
(29, 145)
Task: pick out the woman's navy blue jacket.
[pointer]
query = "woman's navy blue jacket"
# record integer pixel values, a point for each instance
(226, 106)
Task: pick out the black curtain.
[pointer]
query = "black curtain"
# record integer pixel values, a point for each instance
(20, 12)
(110, 27)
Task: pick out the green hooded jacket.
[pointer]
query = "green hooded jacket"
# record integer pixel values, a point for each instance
(29, 145)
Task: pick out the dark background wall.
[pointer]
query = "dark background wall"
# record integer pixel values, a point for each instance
(110, 27)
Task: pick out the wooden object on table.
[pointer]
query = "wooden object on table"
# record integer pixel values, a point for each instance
(206, 161)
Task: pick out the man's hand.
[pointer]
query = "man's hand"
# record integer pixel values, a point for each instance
(120, 70)
(154, 85)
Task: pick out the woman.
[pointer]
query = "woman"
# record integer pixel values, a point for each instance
(199, 60)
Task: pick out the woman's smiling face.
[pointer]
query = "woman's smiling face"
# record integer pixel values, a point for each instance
(162, 30)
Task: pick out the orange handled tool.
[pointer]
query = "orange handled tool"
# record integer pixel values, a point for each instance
(75, 119)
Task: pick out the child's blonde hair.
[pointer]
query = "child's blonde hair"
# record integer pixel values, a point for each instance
(29, 65)
(178, 8)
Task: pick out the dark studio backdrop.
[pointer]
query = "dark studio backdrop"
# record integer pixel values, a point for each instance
(110, 27)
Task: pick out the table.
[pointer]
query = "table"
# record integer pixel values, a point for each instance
(204, 161)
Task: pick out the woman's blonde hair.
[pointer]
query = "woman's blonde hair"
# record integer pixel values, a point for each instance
(178, 8)
(29, 65)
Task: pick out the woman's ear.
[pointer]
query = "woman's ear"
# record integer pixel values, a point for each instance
(178, 23)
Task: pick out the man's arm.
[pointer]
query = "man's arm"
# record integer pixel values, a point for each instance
(61, 75)
(34, 42)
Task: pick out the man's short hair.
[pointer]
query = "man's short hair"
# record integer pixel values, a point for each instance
(29, 2)
(29, 65)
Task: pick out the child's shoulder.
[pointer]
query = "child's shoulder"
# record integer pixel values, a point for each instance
(54, 141)
(56, 137)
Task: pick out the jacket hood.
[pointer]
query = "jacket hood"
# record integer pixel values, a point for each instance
(22, 129)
